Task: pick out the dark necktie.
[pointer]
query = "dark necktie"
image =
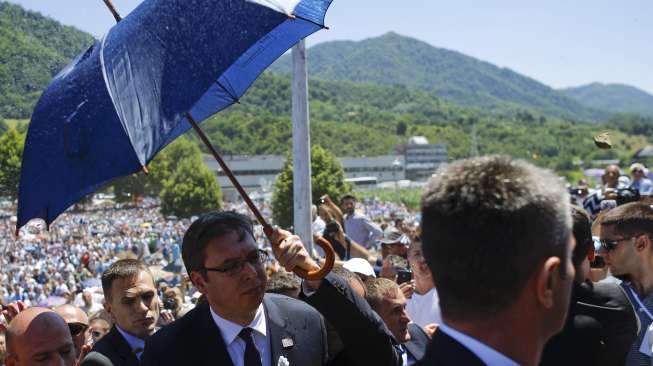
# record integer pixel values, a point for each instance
(252, 357)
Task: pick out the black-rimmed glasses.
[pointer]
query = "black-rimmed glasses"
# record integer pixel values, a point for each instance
(255, 258)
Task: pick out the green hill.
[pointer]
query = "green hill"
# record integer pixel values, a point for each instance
(33, 49)
(394, 59)
(613, 98)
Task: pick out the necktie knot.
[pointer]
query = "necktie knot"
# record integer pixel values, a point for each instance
(245, 334)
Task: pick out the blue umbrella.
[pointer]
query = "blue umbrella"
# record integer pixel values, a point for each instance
(116, 105)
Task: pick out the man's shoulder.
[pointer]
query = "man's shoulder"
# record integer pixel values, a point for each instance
(445, 351)
(177, 329)
(286, 304)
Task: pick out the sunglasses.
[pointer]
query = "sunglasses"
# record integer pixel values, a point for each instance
(611, 244)
(77, 328)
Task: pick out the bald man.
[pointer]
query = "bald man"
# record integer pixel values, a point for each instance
(39, 336)
(77, 322)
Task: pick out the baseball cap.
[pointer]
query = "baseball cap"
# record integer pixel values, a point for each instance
(637, 166)
(359, 265)
(391, 236)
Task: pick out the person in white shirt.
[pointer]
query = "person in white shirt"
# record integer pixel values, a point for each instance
(424, 305)
(496, 234)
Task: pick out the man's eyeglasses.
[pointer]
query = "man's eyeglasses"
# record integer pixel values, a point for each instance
(611, 244)
(77, 328)
(255, 258)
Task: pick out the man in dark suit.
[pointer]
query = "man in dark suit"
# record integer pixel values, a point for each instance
(240, 324)
(389, 302)
(601, 325)
(496, 234)
(131, 299)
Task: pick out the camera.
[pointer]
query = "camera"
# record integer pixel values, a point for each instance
(404, 275)
(170, 303)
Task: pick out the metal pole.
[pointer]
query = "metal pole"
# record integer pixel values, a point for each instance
(301, 148)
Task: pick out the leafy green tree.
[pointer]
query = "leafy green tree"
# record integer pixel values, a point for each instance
(191, 190)
(160, 169)
(328, 177)
(3, 126)
(11, 156)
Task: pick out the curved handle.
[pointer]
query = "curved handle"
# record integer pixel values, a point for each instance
(316, 274)
(319, 274)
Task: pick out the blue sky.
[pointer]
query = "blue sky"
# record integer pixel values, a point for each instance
(560, 43)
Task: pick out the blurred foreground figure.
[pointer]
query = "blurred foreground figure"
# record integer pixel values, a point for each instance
(601, 324)
(39, 336)
(497, 238)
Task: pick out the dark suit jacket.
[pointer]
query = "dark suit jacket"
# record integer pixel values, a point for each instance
(364, 337)
(446, 351)
(114, 348)
(195, 339)
(418, 341)
(600, 329)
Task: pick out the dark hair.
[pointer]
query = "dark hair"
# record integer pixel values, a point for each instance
(488, 224)
(124, 268)
(206, 228)
(582, 230)
(281, 282)
(347, 196)
(376, 289)
(631, 218)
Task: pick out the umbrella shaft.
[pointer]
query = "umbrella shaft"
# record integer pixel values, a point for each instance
(266, 227)
(113, 10)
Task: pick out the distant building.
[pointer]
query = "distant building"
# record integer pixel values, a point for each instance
(259, 172)
(422, 158)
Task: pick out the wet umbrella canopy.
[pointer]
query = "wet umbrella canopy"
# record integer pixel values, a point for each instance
(115, 106)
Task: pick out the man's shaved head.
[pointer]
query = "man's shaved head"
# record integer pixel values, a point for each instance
(72, 314)
(39, 336)
(77, 321)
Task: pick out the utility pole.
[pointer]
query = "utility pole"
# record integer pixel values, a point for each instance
(473, 150)
(301, 150)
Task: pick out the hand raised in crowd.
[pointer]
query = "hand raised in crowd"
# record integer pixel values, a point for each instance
(290, 252)
(408, 288)
(430, 329)
(166, 317)
(85, 350)
(10, 312)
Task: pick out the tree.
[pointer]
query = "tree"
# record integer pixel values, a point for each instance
(11, 156)
(327, 177)
(160, 169)
(191, 190)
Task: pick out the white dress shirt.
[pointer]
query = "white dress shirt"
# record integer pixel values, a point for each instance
(488, 355)
(134, 342)
(236, 346)
(424, 309)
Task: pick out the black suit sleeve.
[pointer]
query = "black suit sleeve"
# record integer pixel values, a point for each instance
(359, 327)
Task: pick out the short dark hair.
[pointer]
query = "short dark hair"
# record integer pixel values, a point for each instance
(280, 282)
(488, 223)
(630, 219)
(376, 289)
(582, 230)
(347, 275)
(124, 268)
(206, 228)
(347, 196)
(397, 261)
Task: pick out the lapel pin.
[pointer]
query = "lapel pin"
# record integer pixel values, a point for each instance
(287, 342)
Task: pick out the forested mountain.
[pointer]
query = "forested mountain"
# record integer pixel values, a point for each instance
(613, 98)
(33, 49)
(348, 117)
(394, 59)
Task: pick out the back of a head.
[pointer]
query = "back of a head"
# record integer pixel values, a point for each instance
(487, 224)
(582, 230)
(630, 219)
(124, 268)
(282, 282)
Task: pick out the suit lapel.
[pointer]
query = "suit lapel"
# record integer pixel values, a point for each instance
(122, 347)
(282, 341)
(210, 338)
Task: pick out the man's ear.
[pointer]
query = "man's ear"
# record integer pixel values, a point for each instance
(642, 242)
(198, 280)
(107, 307)
(546, 282)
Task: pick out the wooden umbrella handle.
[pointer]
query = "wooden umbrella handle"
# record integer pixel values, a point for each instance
(316, 274)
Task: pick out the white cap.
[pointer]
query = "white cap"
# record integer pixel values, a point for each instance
(360, 265)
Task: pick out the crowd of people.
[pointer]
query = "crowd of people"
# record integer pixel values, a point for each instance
(498, 268)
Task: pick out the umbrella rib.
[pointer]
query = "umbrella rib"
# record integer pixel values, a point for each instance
(235, 99)
(295, 16)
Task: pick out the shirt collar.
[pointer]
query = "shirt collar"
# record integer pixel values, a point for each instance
(134, 342)
(488, 355)
(231, 330)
